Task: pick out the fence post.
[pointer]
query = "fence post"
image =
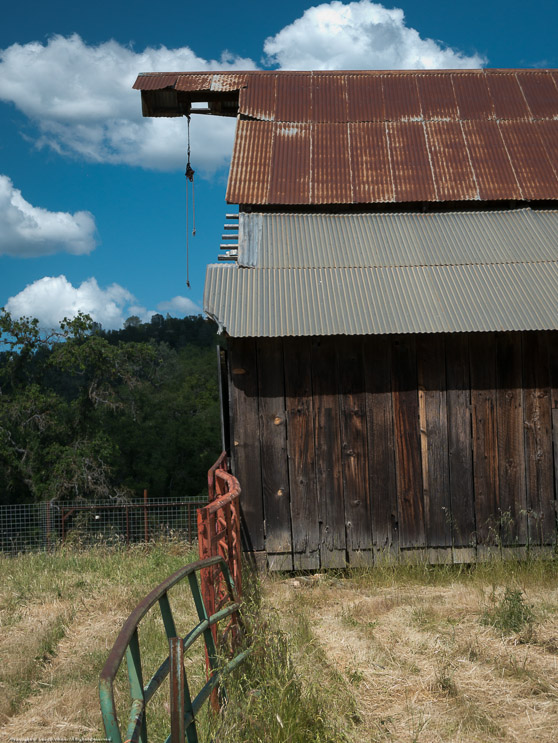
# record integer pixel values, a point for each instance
(145, 524)
(48, 526)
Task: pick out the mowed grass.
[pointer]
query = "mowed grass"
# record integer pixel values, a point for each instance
(392, 654)
(441, 654)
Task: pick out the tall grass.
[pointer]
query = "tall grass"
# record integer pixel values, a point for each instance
(391, 653)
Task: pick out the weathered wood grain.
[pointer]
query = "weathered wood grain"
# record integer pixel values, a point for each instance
(329, 468)
(460, 442)
(412, 532)
(431, 375)
(273, 447)
(354, 449)
(246, 440)
(538, 440)
(511, 449)
(482, 349)
(381, 446)
(300, 444)
(553, 367)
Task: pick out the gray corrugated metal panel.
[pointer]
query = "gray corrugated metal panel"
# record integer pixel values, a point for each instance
(368, 301)
(518, 296)
(408, 239)
(249, 238)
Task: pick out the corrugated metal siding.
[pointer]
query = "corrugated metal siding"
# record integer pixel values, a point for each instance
(365, 301)
(533, 169)
(410, 162)
(409, 239)
(359, 274)
(294, 98)
(331, 171)
(449, 158)
(437, 97)
(507, 96)
(258, 100)
(370, 164)
(249, 177)
(290, 164)
(493, 171)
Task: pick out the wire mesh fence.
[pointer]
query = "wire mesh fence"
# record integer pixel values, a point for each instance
(43, 526)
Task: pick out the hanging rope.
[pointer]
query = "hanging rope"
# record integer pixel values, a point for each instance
(189, 179)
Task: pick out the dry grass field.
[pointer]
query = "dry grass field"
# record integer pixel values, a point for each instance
(437, 655)
(394, 654)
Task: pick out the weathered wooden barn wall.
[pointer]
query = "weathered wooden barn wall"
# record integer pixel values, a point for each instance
(354, 448)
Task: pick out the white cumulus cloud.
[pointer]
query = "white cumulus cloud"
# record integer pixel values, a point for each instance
(28, 231)
(81, 99)
(179, 307)
(52, 298)
(359, 36)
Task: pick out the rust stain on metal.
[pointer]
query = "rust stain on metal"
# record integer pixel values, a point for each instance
(290, 164)
(365, 98)
(548, 134)
(155, 81)
(509, 101)
(329, 99)
(401, 98)
(187, 83)
(258, 99)
(410, 162)
(228, 82)
(251, 163)
(530, 161)
(331, 176)
(376, 136)
(294, 98)
(541, 93)
(489, 158)
(449, 158)
(370, 163)
(472, 96)
(437, 97)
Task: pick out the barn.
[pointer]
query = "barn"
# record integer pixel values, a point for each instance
(390, 389)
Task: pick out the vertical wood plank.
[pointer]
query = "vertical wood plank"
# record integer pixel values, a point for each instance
(553, 364)
(354, 451)
(407, 443)
(511, 451)
(460, 441)
(327, 432)
(273, 447)
(482, 348)
(302, 479)
(381, 446)
(538, 440)
(246, 440)
(431, 373)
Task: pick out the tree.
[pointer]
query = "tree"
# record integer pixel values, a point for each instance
(86, 413)
(55, 391)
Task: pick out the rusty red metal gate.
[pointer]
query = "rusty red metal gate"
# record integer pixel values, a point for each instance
(219, 535)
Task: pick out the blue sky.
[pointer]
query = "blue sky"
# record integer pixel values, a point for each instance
(92, 197)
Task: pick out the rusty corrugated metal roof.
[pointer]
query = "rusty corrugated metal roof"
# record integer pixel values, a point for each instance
(380, 136)
(344, 274)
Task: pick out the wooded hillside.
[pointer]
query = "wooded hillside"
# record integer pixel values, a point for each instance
(87, 413)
